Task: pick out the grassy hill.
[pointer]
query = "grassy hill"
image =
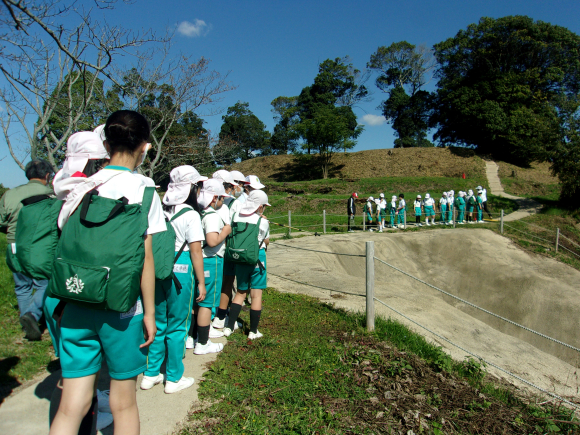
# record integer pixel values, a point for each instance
(404, 162)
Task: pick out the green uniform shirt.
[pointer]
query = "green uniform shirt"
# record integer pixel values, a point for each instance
(10, 205)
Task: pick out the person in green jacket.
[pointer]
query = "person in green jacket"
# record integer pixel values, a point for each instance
(460, 203)
(39, 173)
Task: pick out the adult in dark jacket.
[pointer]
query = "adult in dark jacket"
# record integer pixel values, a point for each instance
(29, 302)
(351, 210)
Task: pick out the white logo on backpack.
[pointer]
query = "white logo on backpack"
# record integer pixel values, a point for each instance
(74, 284)
(235, 256)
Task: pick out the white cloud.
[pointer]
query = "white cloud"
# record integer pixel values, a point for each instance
(195, 29)
(373, 120)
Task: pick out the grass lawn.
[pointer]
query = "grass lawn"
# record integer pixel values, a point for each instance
(316, 370)
(20, 360)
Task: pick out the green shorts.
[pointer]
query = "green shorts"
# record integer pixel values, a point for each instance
(87, 334)
(229, 268)
(213, 270)
(250, 277)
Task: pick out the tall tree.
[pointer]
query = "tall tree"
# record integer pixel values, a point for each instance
(502, 85)
(241, 125)
(327, 122)
(403, 70)
(54, 51)
(284, 138)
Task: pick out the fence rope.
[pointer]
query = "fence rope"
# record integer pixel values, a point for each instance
(322, 252)
(530, 234)
(571, 241)
(555, 396)
(479, 308)
(571, 252)
(315, 286)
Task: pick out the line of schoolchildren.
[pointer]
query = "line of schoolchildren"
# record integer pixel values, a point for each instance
(137, 280)
(393, 214)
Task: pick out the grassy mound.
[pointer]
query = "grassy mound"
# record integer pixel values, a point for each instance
(404, 162)
(317, 371)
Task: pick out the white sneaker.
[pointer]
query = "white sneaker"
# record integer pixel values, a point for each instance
(227, 331)
(350, 231)
(209, 347)
(480, 222)
(189, 343)
(420, 225)
(255, 336)
(214, 333)
(380, 231)
(182, 384)
(149, 382)
(217, 323)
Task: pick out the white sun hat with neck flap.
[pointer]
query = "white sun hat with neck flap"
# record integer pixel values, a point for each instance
(181, 178)
(256, 198)
(225, 176)
(212, 187)
(238, 176)
(254, 182)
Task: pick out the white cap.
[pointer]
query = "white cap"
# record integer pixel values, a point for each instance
(427, 196)
(444, 193)
(462, 194)
(181, 178)
(419, 196)
(238, 176)
(470, 192)
(382, 195)
(225, 176)
(479, 188)
(371, 198)
(254, 182)
(256, 198)
(212, 187)
(82, 147)
(100, 130)
(394, 198)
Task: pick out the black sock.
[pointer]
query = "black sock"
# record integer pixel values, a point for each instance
(234, 314)
(89, 422)
(254, 320)
(193, 326)
(221, 313)
(417, 219)
(202, 334)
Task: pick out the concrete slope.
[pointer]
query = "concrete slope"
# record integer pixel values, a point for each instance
(477, 265)
(527, 206)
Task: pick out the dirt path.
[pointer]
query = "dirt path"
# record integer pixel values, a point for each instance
(527, 206)
(479, 266)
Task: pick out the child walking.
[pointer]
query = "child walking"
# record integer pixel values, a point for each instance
(460, 202)
(88, 334)
(443, 208)
(393, 211)
(173, 306)
(383, 211)
(471, 202)
(401, 211)
(251, 278)
(479, 207)
(368, 212)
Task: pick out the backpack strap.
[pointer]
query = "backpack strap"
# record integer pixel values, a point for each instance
(34, 199)
(232, 203)
(179, 213)
(146, 204)
(87, 202)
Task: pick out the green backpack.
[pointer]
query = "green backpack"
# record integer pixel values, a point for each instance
(100, 256)
(164, 248)
(37, 236)
(242, 245)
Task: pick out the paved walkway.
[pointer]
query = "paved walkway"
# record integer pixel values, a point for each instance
(26, 412)
(527, 206)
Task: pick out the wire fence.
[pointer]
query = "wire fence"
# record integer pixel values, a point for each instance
(370, 259)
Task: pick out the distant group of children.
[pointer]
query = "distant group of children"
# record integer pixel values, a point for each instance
(137, 280)
(466, 207)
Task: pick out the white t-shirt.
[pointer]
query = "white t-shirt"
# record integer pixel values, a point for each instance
(429, 202)
(212, 223)
(242, 198)
(484, 195)
(131, 187)
(450, 200)
(383, 204)
(224, 213)
(402, 203)
(417, 203)
(236, 207)
(443, 200)
(263, 233)
(187, 227)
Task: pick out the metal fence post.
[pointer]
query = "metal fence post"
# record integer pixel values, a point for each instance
(370, 280)
(405, 219)
(364, 222)
(557, 238)
(289, 222)
(324, 221)
(454, 216)
(501, 222)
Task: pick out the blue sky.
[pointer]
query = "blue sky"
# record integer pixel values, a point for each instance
(273, 48)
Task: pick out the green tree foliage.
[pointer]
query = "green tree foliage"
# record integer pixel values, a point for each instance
(403, 70)
(502, 83)
(285, 137)
(245, 128)
(80, 93)
(325, 119)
